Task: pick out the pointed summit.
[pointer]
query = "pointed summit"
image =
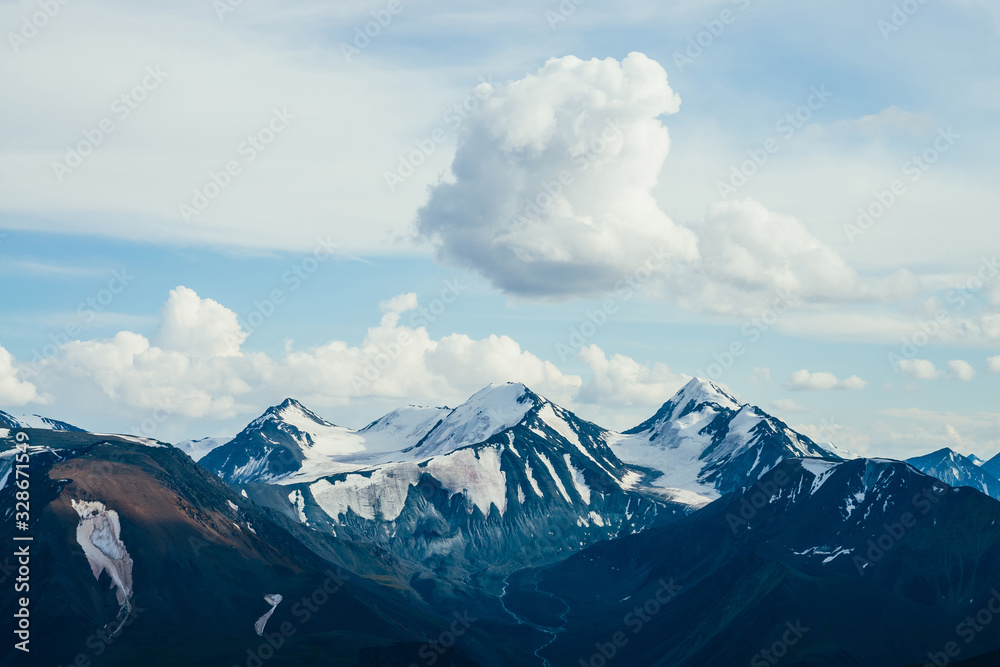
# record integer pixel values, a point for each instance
(704, 440)
(699, 392)
(697, 395)
(490, 410)
(293, 412)
(956, 470)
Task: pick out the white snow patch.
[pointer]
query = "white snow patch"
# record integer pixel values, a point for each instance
(274, 600)
(579, 481)
(531, 479)
(197, 449)
(555, 477)
(820, 470)
(299, 503)
(383, 491)
(99, 535)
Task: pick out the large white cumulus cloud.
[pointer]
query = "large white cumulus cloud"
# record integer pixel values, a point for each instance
(553, 177)
(552, 195)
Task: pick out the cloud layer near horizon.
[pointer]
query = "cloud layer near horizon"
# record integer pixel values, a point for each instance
(194, 366)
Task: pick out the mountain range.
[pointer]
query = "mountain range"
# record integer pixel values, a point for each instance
(506, 530)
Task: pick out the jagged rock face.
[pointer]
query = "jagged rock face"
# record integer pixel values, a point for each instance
(507, 466)
(993, 466)
(956, 470)
(832, 549)
(289, 440)
(704, 440)
(536, 490)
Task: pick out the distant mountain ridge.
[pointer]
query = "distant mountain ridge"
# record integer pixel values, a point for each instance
(827, 549)
(704, 440)
(9, 421)
(956, 470)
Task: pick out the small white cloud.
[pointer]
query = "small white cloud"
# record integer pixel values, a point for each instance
(199, 327)
(961, 370)
(13, 389)
(788, 405)
(396, 306)
(920, 369)
(803, 380)
(890, 119)
(993, 365)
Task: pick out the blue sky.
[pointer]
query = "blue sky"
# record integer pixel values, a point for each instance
(196, 85)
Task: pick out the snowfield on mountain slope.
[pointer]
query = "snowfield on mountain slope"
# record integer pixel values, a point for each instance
(383, 491)
(197, 449)
(486, 413)
(99, 535)
(701, 430)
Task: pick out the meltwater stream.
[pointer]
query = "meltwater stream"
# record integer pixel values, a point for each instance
(553, 632)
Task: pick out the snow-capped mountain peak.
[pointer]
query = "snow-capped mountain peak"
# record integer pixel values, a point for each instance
(489, 411)
(699, 392)
(292, 412)
(704, 440)
(9, 421)
(954, 469)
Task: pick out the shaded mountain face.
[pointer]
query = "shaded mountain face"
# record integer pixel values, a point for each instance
(704, 440)
(291, 440)
(505, 480)
(800, 566)
(8, 421)
(992, 466)
(956, 470)
(142, 557)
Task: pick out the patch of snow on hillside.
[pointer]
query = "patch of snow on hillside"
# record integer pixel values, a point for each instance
(99, 535)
